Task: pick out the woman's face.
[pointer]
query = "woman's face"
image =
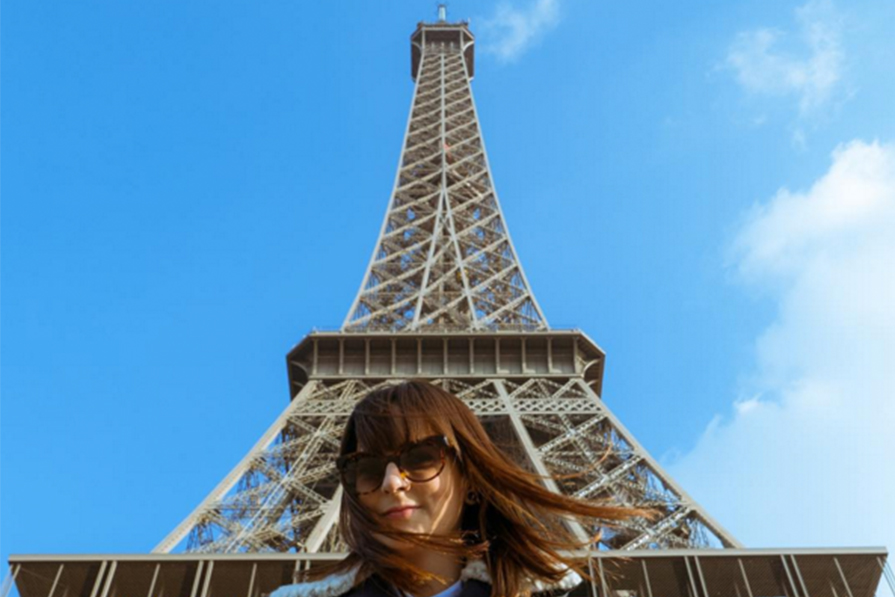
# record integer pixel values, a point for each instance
(432, 508)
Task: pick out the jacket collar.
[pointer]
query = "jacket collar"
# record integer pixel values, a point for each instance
(339, 584)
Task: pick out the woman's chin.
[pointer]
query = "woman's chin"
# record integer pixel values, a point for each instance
(398, 544)
(395, 544)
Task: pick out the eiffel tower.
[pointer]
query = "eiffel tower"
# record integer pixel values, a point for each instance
(445, 299)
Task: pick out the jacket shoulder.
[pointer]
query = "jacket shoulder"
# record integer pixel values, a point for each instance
(334, 585)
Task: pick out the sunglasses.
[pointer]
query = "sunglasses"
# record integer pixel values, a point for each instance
(418, 462)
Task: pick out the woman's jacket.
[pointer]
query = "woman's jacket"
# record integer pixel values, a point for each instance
(475, 578)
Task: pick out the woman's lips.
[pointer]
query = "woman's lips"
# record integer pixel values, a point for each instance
(400, 513)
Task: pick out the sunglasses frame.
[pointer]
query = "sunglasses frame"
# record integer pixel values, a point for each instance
(440, 441)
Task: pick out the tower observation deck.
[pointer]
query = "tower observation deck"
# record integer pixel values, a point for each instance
(450, 36)
(445, 298)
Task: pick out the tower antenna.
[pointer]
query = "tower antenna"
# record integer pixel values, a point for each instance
(442, 13)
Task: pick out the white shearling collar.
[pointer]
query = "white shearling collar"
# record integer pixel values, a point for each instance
(331, 586)
(339, 584)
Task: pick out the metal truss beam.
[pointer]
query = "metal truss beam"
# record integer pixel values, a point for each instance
(451, 262)
(284, 494)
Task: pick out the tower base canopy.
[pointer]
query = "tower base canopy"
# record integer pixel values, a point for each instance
(670, 573)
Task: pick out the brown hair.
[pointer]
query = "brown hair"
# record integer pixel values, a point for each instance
(517, 526)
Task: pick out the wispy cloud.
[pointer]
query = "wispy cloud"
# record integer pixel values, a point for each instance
(511, 30)
(807, 64)
(804, 458)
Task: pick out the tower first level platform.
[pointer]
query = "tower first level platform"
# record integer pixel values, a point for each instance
(459, 355)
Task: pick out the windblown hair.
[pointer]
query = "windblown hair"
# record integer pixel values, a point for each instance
(518, 526)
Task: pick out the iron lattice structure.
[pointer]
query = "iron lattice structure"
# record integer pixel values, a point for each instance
(444, 298)
(444, 259)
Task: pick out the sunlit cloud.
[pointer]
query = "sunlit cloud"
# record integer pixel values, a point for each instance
(512, 29)
(806, 64)
(804, 457)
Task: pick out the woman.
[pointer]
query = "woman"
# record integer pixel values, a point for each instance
(431, 507)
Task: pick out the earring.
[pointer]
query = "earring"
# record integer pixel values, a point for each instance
(473, 497)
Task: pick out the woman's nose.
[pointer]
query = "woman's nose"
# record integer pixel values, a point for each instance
(394, 479)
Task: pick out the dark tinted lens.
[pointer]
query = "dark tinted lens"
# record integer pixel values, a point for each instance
(368, 473)
(422, 462)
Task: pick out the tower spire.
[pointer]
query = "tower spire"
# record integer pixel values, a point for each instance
(444, 259)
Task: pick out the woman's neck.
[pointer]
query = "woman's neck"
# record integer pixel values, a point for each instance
(445, 566)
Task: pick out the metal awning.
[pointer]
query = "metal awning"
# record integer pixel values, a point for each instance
(846, 572)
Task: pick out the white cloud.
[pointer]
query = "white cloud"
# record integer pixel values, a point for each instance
(512, 30)
(810, 71)
(808, 457)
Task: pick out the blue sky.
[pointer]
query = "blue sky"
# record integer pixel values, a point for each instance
(190, 187)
